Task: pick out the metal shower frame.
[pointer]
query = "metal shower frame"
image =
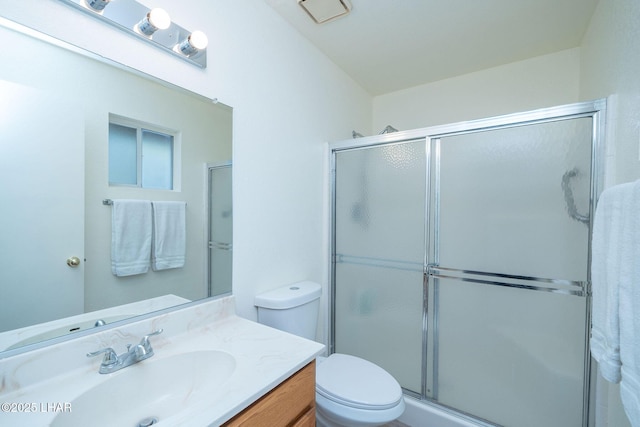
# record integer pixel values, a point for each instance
(595, 109)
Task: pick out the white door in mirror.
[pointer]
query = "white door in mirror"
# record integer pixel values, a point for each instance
(40, 136)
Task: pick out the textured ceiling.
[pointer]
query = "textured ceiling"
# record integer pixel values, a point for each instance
(389, 45)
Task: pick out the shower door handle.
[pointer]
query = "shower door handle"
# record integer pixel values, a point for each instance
(569, 199)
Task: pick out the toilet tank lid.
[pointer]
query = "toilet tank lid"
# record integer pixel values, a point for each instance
(289, 296)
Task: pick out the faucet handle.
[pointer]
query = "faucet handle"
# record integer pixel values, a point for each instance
(110, 356)
(144, 342)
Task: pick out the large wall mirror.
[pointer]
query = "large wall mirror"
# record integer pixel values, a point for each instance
(56, 104)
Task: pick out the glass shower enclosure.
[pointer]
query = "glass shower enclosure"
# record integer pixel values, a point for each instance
(460, 262)
(220, 229)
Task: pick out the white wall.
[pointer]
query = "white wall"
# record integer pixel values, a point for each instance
(288, 100)
(539, 82)
(610, 61)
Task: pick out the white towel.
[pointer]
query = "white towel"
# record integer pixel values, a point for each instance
(130, 237)
(615, 274)
(169, 235)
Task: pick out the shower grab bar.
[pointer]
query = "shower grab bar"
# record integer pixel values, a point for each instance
(378, 262)
(560, 286)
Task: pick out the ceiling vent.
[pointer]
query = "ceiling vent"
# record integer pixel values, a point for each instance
(322, 11)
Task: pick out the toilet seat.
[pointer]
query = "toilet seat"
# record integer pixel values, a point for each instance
(356, 383)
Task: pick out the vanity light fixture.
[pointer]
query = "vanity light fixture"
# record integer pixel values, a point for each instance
(151, 25)
(195, 42)
(156, 19)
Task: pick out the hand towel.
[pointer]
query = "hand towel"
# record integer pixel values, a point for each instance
(169, 235)
(615, 274)
(130, 237)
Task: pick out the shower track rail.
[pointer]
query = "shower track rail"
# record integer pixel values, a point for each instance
(379, 262)
(560, 286)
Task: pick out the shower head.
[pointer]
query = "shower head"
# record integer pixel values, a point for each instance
(388, 129)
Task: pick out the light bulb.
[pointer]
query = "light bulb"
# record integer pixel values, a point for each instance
(156, 19)
(196, 41)
(199, 40)
(97, 5)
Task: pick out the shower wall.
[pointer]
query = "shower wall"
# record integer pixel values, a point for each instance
(543, 81)
(461, 263)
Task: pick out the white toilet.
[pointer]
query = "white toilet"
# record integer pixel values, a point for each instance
(350, 391)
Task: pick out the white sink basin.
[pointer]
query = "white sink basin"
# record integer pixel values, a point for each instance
(154, 388)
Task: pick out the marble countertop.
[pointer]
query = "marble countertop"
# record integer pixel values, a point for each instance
(55, 328)
(264, 357)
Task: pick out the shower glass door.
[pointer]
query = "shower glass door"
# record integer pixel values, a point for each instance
(379, 243)
(460, 262)
(508, 272)
(220, 229)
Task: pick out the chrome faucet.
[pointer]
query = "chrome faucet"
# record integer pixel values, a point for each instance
(112, 362)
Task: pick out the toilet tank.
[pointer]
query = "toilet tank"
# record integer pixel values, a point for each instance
(292, 308)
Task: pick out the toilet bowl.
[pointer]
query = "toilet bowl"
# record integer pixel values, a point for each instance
(350, 391)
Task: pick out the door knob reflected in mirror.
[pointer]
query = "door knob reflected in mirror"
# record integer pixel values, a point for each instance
(73, 262)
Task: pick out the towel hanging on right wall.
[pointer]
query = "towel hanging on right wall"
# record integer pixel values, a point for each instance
(615, 277)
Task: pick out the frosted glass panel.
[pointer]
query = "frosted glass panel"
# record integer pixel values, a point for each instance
(380, 195)
(221, 204)
(514, 357)
(157, 160)
(220, 230)
(379, 318)
(503, 208)
(379, 253)
(123, 149)
(220, 270)
(156, 157)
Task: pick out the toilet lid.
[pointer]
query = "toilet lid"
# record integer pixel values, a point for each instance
(356, 382)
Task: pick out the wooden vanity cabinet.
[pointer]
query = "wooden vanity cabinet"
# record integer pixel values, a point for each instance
(291, 404)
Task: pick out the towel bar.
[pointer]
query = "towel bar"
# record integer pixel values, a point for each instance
(107, 202)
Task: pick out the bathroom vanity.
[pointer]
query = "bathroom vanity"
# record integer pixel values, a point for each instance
(210, 368)
(292, 403)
